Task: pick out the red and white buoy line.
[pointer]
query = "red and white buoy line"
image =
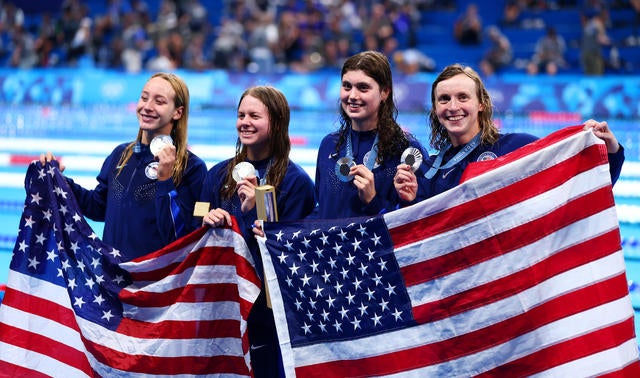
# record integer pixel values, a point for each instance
(84, 158)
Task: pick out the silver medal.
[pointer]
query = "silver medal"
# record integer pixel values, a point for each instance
(412, 157)
(151, 170)
(158, 142)
(343, 166)
(242, 170)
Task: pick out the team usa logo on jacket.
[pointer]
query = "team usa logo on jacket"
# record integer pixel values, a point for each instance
(151, 171)
(487, 155)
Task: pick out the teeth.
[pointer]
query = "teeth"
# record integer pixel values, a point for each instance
(455, 118)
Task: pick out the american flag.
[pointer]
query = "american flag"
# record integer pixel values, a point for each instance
(73, 309)
(518, 271)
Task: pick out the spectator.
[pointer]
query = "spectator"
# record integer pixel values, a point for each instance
(512, 13)
(412, 60)
(166, 21)
(136, 43)
(11, 16)
(263, 36)
(229, 48)
(81, 43)
(23, 50)
(290, 45)
(379, 26)
(195, 57)
(549, 54)
(594, 37)
(499, 54)
(634, 38)
(162, 60)
(468, 27)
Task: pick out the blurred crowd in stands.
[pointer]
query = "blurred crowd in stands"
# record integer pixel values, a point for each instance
(285, 35)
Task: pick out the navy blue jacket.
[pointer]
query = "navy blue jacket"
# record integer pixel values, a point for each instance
(338, 199)
(141, 214)
(294, 198)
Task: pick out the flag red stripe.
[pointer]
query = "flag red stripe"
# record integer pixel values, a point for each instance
(40, 307)
(558, 308)
(137, 363)
(481, 167)
(11, 370)
(204, 256)
(526, 188)
(630, 371)
(555, 355)
(19, 159)
(180, 329)
(447, 350)
(510, 240)
(179, 244)
(188, 294)
(46, 346)
(503, 287)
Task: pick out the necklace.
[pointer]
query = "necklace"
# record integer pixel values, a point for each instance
(344, 164)
(463, 153)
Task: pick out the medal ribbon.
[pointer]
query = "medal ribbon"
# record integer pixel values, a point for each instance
(463, 153)
(263, 180)
(371, 161)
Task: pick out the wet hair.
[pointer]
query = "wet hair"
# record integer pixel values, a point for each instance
(178, 132)
(279, 143)
(392, 140)
(488, 130)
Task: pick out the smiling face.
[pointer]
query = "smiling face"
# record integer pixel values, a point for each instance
(360, 97)
(156, 110)
(457, 107)
(253, 126)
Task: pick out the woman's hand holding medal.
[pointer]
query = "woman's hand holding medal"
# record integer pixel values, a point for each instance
(406, 183)
(244, 173)
(405, 180)
(164, 153)
(246, 190)
(364, 180)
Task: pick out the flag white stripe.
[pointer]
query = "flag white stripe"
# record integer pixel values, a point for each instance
(44, 326)
(598, 363)
(487, 359)
(248, 290)
(38, 288)
(469, 321)
(271, 281)
(183, 311)
(550, 334)
(198, 275)
(108, 371)
(535, 162)
(224, 346)
(216, 237)
(37, 361)
(512, 262)
(553, 333)
(500, 221)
